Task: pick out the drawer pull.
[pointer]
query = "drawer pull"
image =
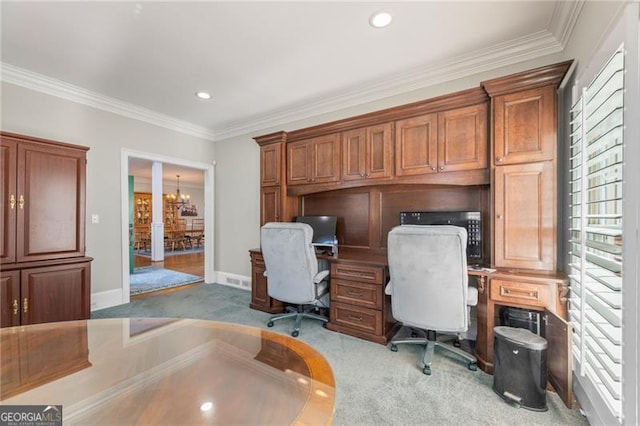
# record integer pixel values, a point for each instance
(509, 292)
(16, 307)
(354, 318)
(355, 293)
(25, 305)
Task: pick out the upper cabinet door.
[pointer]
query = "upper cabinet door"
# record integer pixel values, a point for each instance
(367, 153)
(525, 126)
(270, 158)
(51, 202)
(313, 161)
(8, 200)
(416, 145)
(462, 139)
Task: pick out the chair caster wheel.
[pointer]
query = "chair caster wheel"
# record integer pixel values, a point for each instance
(270, 324)
(456, 343)
(473, 366)
(324, 324)
(426, 370)
(393, 347)
(295, 333)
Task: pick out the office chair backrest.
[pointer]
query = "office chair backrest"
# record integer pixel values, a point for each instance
(290, 261)
(428, 269)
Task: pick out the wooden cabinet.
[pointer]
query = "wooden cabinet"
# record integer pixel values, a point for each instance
(314, 161)
(45, 275)
(270, 164)
(525, 216)
(544, 293)
(359, 306)
(260, 299)
(367, 153)
(270, 204)
(524, 125)
(446, 141)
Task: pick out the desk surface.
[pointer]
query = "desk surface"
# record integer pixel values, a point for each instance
(153, 371)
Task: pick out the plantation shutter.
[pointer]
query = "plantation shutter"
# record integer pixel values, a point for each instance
(595, 244)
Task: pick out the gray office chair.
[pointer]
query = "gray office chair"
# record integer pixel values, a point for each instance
(429, 286)
(292, 272)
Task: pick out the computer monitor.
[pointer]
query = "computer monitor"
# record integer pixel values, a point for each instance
(324, 228)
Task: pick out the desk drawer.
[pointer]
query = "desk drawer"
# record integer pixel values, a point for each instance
(356, 317)
(520, 293)
(355, 293)
(361, 273)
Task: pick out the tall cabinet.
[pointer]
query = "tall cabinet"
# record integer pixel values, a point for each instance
(45, 273)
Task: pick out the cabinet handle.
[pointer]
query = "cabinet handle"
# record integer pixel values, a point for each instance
(25, 305)
(16, 307)
(499, 159)
(362, 174)
(355, 318)
(12, 201)
(499, 216)
(367, 174)
(355, 293)
(21, 202)
(441, 167)
(433, 168)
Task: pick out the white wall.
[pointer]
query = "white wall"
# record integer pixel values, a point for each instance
(35, 114)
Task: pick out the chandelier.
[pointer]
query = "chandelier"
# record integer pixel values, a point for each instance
(178, 199)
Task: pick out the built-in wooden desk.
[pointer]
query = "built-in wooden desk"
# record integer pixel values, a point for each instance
(166, 371)
(360, 308)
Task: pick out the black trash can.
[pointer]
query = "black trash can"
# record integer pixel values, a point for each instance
(520, 367)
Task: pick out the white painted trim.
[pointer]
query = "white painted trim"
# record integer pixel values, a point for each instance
(42, 83)
(233, 280)
(209, 222)
(106, 299)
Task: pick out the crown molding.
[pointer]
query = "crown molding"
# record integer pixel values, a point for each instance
(530, 47)
(519, 50)
(41, 83)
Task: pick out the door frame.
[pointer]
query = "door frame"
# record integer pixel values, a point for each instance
(209, 223)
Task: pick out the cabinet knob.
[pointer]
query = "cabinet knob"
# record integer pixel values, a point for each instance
(12, 201)
(367, 174)
(499, 159)
(21, 202)
(16, 306)
(499, 216)
(433, 168)
(362, 174)
(441, 167)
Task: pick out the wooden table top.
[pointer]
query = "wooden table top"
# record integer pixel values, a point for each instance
(165, 371)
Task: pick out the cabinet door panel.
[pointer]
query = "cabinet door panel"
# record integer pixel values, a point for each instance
(353, 154)
(558, 334)
(297, 163)
(51, 222)
(56, 293)
(8, 200)
(462, 138)
(525, 225)
(379, 152)
(326, 159)
(270, 157)
(269, 204)
(525, 126)
(10, 302)
(416, 145)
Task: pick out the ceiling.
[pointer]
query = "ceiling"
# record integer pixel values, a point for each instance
(264, 63)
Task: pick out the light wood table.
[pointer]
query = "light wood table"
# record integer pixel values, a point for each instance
(165, 371)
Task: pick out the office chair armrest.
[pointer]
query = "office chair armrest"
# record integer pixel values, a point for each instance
(387, 288)
(321, 276)
(264, 274)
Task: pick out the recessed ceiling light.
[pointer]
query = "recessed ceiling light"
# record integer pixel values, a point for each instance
(380, 19)
(203, 95)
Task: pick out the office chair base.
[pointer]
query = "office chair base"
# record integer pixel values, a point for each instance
(430, 349)
(298, 314)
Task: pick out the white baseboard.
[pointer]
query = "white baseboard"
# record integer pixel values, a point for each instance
(233, 280)
(109, 298)
(106, 299)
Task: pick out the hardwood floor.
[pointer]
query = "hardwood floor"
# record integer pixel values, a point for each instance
(187, 263)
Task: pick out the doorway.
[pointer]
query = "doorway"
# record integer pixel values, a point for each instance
(193, 257)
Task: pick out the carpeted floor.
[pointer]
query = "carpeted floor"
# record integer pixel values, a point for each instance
(152, 278)
(374, 386)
